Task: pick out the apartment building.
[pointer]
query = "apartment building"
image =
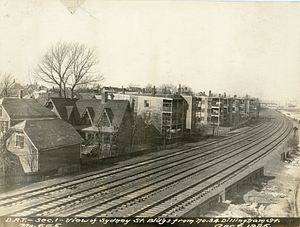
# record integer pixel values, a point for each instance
(165, 113)
(227, 111)
(217, 111)
(235, 106)
(204, 110)
(221, 110)
(254, 107)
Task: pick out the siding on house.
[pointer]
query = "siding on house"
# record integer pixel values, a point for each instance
(125, 129)
(45, 145)
(62, 157)
(27, 153)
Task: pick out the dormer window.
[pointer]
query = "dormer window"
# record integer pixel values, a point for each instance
(19, 140)
(146, 103)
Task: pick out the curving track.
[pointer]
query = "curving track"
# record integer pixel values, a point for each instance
(166, 185)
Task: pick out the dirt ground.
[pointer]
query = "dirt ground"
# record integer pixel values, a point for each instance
(276, 194)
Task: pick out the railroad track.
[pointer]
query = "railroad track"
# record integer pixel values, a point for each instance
(158, 199)
(75, 183)
(49, 207)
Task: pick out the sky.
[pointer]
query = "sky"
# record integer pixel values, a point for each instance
(234, 47)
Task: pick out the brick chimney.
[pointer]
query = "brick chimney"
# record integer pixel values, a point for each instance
(153, 91)
(112, 96)
(20, 94)
(104, 97)
(179, 89)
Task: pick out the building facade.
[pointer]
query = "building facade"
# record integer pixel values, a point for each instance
(165, 113)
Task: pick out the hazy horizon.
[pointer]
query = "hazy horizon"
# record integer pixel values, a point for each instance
(234, 47)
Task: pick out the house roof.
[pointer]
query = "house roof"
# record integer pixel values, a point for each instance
(25, 109)
(97, 97)
(82, 104)
(69, 109)
(109, 114)
(50, 133)
(43, 98)
(116, 112)
(64, 107)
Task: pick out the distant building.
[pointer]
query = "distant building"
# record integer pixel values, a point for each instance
(217, 111)
(207, 113)
(254, 108)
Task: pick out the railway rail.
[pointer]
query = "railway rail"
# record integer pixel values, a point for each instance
(137, 189)
(91, 178)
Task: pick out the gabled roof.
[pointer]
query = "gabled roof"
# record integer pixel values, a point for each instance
(116, 112)
(63, 107)
(50, 133)
(97, 97)
(82, 104)
(25, 109)
(109, 114)
(91, 112)
(42, 98)
(69, 109)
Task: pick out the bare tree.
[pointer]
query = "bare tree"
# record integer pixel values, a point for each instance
(54, 66)
(148, 88)
(31, 84)
(6, 85)
(152, 121)
(84, 59)
(167, 89)
(68, 64)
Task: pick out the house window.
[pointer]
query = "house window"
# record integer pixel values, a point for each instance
(198, 116)
(19, 141)
(4, 126)
(146, 103)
